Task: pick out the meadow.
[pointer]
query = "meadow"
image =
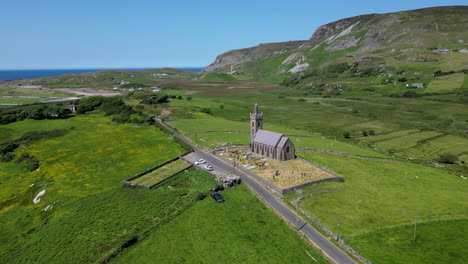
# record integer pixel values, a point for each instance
(240, 230)
(88, 215)
(379, 196)
(411, 127)
(162, 173)
(400, 246)
(21, 95)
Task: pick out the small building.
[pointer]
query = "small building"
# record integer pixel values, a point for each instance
(417, 85)
(266, 143)
(72, 107)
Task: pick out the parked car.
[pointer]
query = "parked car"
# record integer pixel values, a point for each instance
(208, 167)
(200, 161)
(217, 196)
(218, 188)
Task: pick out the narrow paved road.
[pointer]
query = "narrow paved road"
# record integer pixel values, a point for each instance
(332, 251)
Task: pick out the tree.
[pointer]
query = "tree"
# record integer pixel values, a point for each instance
(189, 98)
(448, 158)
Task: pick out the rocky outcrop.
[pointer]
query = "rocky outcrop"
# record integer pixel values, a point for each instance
(230, 60)
(368, 34)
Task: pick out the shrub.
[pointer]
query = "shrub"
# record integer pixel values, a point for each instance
(7, 157)
(206, 111)
(189, 98)
(410, 94)
(200, 196)
(301, 100)
(346, 134)
(365, 133)
(448, 158)
(8, 147)
(32, 164)
(88, 104)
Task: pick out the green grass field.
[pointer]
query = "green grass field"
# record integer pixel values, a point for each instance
(436, 242)
(36, 92)
(240, 230)
(407, 141)
(334, 145)
(162, 173)
(378, 195)
(446, 83)
(87, 213)
(216, 139)
(21, 95)
(207, 122)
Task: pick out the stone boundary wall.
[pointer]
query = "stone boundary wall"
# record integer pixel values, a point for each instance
(335, 178)
(291, 189)
(167, 178)
(244, 132)
(269, 185)
(345, 154)
(328, 231)
(213, 131)
(128, 181)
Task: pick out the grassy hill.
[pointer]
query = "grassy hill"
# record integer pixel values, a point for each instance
(403, 44)
(107, 79)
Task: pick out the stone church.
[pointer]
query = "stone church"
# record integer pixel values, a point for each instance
(266, 143)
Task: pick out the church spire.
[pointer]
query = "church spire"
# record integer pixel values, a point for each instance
(256, 109)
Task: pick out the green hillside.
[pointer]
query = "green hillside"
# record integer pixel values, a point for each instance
(409, 44)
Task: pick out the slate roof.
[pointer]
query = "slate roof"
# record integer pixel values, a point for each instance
(282, 142)
(268, 138)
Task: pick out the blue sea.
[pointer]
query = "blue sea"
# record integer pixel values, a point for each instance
(8, 75)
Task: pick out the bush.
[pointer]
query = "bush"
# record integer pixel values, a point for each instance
(8, 147)
(206, 111)
(448, 158)
(189, 98)
(31, 163)
(88, 104)
(347, 135)
(365, 133)
(410, 94)
(200, 196)
(301, 100)
(7, 157)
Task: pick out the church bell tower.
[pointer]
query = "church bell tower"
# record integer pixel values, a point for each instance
(256, 123)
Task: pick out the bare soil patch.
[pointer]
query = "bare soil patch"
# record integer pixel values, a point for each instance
(88, 91)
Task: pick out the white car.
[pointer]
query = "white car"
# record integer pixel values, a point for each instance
(208, 167)
(200, 161)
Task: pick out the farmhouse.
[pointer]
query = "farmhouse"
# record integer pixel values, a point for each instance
(266, 143)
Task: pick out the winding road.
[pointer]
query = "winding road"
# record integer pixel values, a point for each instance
(329, 249)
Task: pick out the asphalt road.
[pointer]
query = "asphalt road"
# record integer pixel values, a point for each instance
(332, 251)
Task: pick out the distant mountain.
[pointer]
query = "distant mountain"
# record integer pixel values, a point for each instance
(368, 40)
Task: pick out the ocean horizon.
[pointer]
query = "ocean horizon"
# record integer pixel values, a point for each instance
(10, 75)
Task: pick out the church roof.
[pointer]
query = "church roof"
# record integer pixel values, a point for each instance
(282, 142)
(268, 138)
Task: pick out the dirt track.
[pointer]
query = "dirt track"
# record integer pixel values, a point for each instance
(87, 91)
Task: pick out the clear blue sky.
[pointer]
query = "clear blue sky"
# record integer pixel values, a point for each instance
(55, 34)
